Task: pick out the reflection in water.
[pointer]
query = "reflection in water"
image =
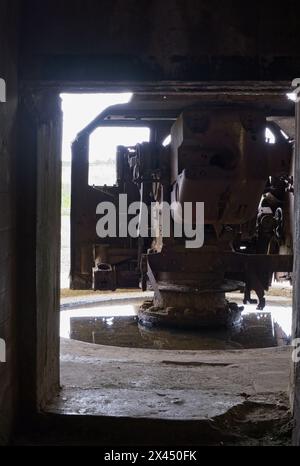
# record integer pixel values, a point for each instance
(97, 311)
(119, 327)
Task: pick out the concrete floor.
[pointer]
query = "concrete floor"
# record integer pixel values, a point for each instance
(197, 397)
(128, 382)
(117, 396)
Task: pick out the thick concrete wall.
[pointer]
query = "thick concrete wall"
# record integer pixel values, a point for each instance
(133, 40)
(39, 182)
(8, 111)
(295, 385)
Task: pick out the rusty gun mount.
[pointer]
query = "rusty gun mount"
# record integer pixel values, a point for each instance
(219, 156)
(222, 159)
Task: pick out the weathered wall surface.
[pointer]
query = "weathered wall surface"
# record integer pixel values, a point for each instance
(295, 382)
(8, 110)
(125, 40)
(39, 181)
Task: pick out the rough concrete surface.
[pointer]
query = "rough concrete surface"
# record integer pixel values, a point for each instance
(234, 397)
(232, 375)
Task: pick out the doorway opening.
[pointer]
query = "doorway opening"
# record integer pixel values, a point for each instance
(125, 369)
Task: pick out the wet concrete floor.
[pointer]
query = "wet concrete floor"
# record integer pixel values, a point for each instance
(117, 325)
(226, 381)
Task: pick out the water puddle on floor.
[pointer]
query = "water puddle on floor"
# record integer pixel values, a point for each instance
(118, 326)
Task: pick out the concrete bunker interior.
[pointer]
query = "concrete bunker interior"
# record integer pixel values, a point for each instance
(221, 53)
(125, 368)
